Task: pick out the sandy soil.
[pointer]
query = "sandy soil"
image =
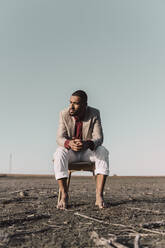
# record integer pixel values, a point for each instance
(29, 218)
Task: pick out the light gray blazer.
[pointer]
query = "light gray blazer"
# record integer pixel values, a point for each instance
(91, 129)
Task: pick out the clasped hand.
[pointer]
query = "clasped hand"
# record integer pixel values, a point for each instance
(77, 144)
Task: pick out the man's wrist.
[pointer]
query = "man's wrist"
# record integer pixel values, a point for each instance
(66, 144)
(89, 144)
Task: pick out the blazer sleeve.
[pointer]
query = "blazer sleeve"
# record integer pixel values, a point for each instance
(97, 134)
(62, 134)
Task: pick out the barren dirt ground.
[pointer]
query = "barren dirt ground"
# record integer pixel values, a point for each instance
(29, 218)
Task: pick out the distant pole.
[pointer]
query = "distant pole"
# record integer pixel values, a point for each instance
(10, 163)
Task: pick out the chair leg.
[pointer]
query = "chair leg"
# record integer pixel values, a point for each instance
(59, 196)
(94, 175)
(68, 182)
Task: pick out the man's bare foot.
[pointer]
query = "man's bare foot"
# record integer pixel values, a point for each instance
(100, 202)
(63, 204)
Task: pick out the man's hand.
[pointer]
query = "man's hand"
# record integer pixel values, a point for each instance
(78, 145)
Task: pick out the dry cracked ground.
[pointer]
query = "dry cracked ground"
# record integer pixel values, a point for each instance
(134, 217)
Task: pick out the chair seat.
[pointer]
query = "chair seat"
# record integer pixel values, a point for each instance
(81, 166)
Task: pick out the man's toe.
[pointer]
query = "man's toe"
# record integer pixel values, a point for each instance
(62, 205)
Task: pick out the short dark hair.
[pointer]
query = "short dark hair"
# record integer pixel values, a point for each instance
(81, 94)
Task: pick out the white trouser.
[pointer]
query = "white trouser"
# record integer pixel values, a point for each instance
(63, 156)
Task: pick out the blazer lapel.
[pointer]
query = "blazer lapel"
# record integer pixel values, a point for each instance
(71, 125)
(85, 129)
(86, 124)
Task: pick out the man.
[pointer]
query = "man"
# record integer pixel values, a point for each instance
(80, 138)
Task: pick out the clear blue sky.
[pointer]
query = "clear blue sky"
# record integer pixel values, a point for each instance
(112, 49)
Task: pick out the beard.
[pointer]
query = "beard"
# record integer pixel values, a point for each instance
(77, 112)
(73, 112)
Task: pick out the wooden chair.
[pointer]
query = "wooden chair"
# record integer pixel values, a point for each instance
(78, 166)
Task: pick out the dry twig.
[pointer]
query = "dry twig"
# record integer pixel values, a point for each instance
(153, 224)
(100, 221)
(21, 232)
(153, 231)
(90, 218)
(134, 235)
(136, 241)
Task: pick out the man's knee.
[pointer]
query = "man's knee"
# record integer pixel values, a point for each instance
(102, 161)
(60, 152)
(102, 151)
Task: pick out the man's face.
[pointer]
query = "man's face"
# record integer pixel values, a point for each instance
(76, 106)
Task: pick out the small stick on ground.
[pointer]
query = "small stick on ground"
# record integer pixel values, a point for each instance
(153, 231)
(153, 224)
(121, 225)
(100, 221)
(136, 241)
(89, 218)
(21, 232)
(134, 235)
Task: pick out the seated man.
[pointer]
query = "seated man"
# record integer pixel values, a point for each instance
(80, 138)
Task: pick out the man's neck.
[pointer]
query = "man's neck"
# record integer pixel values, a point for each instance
(81, 115)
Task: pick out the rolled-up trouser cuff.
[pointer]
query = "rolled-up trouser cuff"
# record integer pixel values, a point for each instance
(102, 172)
(61, 175)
